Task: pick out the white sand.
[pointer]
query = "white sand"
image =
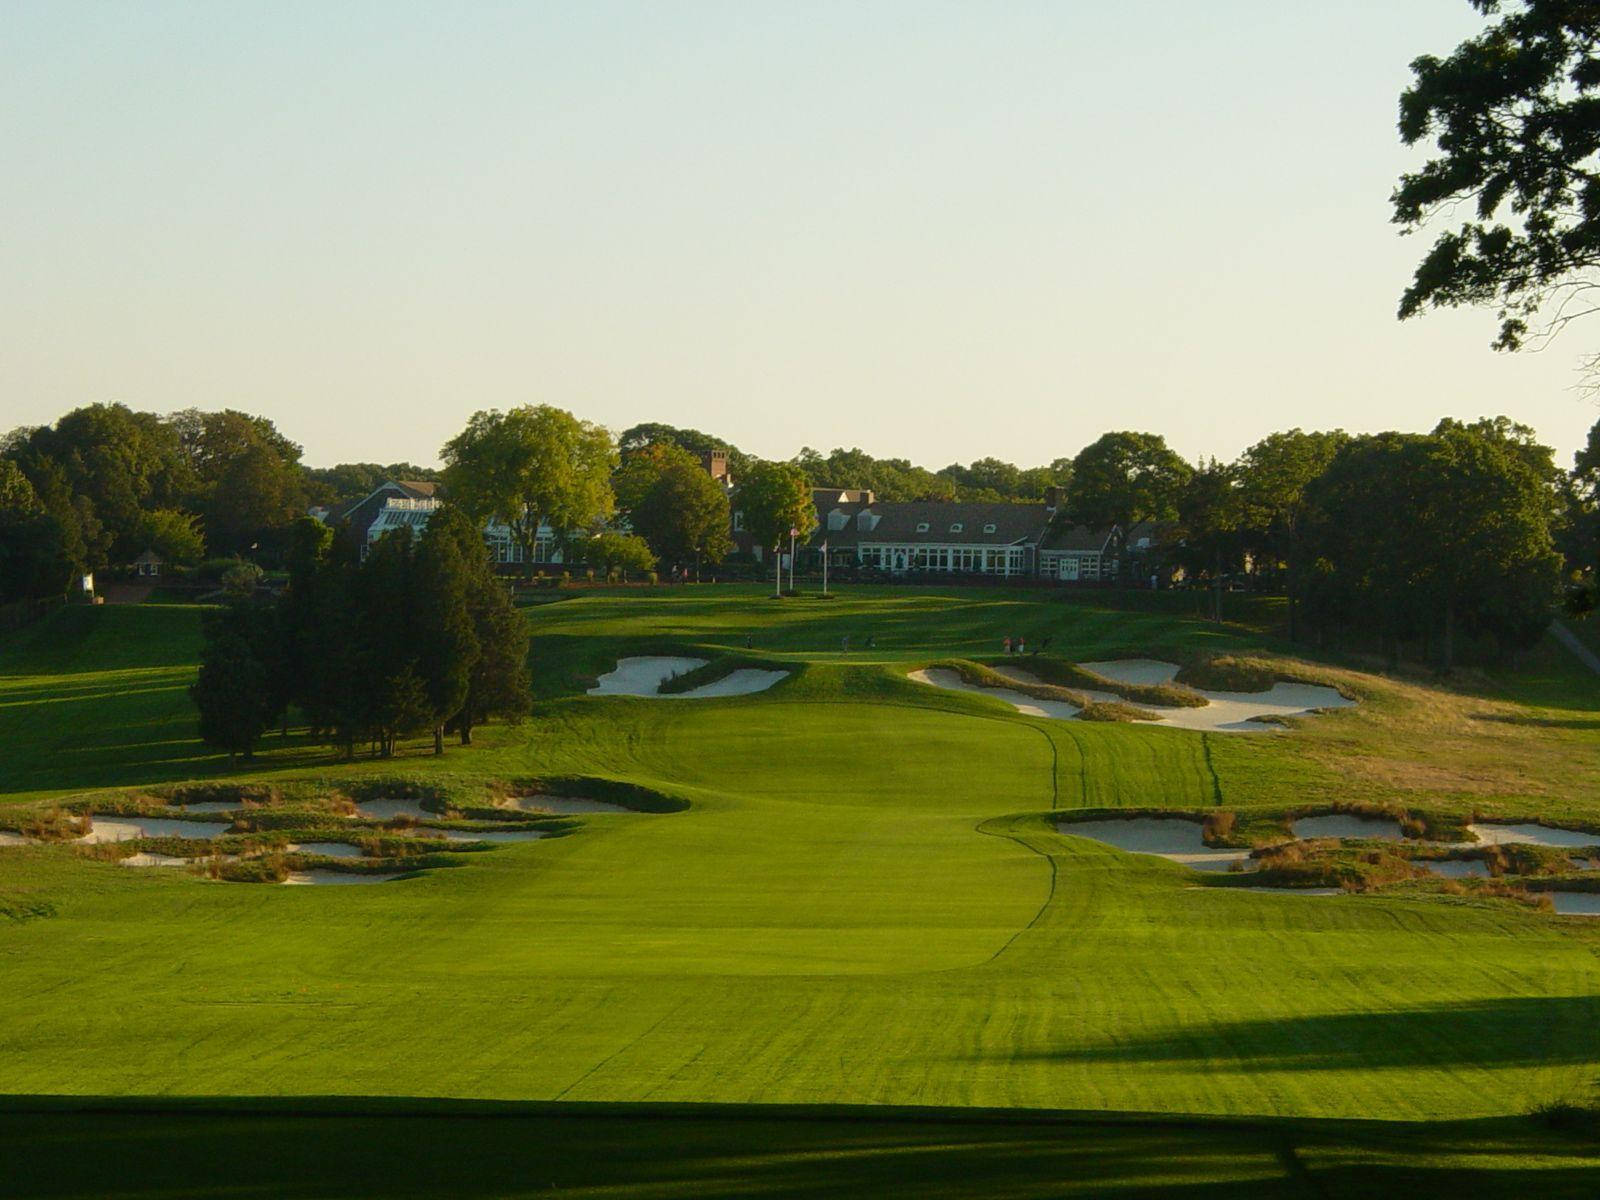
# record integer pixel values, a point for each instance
(1171, 838)
(327, 849)
(1343, 825)
(1305, 891)
(155, 860)
(642, 676)
(1533, 835)
(1576, 904)
(1226, 712)
(388, 810)
(312, 878)
(125, 829)
(12, 839)
(1455, 868)
(939, 677)
(564, 805)
(743, 682)
(497, 835)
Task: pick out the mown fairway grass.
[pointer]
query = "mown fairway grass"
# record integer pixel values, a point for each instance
(866, 903)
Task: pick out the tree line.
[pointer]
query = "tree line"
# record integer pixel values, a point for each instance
(420, 637)
(1471, 529)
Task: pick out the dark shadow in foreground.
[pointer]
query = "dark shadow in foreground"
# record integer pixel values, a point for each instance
(334, 1147)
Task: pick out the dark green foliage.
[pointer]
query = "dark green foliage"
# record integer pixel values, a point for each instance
(614, 553)
(233, 691)
(775, 498)
(653, 433)
(249, 482)
(1425, 536)
(104, 465)
(420, 636)
(675, 505)
(36, 558)
(1124, 479)
(1515, 115)
(497, 681)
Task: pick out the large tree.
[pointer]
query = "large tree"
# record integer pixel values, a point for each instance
(1123, 479)
(249, 482)
(1273, 477)
(675, 506)
(233, 691)
(653, 433)
(533, 466)
(1422, 536)
(1580, 526)
(497, 683)
(100, 468)
(1514, 114)
(773, 500)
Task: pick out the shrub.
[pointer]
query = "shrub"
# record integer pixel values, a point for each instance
(1218, 827)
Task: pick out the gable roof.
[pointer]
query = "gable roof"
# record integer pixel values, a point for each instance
(1014, 524)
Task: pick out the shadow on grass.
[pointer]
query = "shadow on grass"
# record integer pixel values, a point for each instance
(355, 1147)
(1513, 1032)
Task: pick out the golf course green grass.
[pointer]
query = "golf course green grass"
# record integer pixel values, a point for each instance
(866, 902)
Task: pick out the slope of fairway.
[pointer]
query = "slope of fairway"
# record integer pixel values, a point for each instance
(865, 902)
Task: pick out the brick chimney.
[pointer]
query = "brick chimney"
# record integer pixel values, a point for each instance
(1052, 498)
(716, 464)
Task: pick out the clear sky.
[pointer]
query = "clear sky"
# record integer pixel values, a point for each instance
(934, 230)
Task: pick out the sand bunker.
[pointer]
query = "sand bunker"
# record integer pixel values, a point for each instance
(939, 677)
(1227, 712)
(563, 806)
(644, 677)
(12, 839)
(496, 835)
(317, 877)
(1305, 891)
(326, 849)
(1171, 838)
(388, 810)
(1533, 835)
(126, 829)
(1576, 904)
(143, 859)
(1343, 825)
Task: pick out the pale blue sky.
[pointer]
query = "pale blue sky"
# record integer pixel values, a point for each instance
(927, 229)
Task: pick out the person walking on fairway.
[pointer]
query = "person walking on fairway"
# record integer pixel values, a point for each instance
(844, 644)
(1007, 643)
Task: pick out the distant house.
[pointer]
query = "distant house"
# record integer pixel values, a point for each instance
(1005, 539)
(149, 565)
(412, 503)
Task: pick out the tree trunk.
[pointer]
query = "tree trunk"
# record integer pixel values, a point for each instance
(438, 739)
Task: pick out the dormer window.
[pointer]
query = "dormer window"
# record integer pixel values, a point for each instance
(956, 528)
(988, 528)
(922, 527)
